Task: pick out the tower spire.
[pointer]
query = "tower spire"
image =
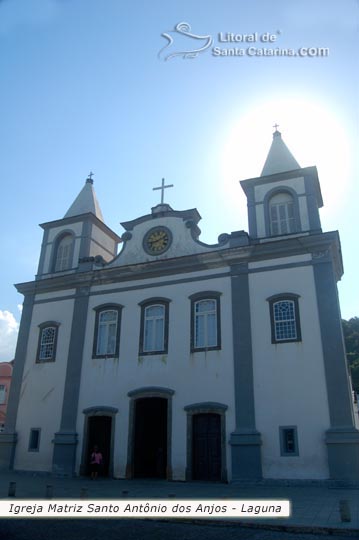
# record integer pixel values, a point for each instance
(279, 158)
(86, 201)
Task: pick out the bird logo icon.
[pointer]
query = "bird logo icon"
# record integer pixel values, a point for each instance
(181, 34)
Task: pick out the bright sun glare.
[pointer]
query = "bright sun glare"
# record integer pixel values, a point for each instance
(313, 135)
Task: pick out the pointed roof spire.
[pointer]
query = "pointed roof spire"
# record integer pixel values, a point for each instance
(86, 201)
(279, 157)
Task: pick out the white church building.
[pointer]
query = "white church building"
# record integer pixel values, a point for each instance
(184, 360)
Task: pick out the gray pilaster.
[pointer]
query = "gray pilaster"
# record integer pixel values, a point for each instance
(245, 440)
(9, 437)
(45, 240)
(65, 440)
(252, 216)
(342, 438)
(312, 204)
(85, 239)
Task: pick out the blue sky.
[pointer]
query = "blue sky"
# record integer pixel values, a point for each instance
(82, 88)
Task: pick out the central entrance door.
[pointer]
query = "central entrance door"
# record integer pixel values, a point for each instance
(150, 448)
(206, 451)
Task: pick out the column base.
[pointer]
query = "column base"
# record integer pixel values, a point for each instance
(7, 450)
(343, 454)
(64, 456)
(246, 455)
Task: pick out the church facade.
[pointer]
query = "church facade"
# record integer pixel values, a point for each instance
(183, 360)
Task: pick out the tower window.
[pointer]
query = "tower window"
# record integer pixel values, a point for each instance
(63, 253)
(284, 320)
(284, 315)
(281, 213)
(47, 342)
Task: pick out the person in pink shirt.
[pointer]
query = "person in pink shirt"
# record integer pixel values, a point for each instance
(95, 462)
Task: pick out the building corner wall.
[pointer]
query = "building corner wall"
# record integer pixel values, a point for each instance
(342, 438)
(8, 438)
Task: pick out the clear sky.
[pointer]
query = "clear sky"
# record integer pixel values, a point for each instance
(82, 88)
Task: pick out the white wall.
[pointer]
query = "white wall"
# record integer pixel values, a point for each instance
(195, 377)
(42, 388)
(101, 244)
(289, 378)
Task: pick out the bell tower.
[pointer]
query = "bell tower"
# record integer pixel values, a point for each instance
(79, 238)
(285, 199)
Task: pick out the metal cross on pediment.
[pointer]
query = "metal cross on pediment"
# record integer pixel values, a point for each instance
(162, 188)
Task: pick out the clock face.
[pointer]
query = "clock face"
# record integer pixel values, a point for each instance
(157, 240)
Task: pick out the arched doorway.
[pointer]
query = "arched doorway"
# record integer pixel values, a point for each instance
(150, 429)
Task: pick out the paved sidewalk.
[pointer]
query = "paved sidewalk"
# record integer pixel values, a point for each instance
(314, 508)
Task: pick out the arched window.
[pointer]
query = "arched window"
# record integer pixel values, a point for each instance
(63, 253)
(154, 326)
(107, 331)
(281, 214)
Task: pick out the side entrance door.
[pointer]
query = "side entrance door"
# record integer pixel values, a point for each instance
(99, 434)
(206, 449)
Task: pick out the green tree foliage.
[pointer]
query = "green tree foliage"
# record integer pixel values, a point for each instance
(351, 337)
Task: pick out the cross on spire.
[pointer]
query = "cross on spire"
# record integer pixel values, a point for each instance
(89, 178)
(276, 126)
(162, 188)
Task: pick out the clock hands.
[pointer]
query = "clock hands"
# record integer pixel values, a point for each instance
(157, 241)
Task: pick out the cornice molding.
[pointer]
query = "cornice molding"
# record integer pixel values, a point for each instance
(198, 262)
(80, 218)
